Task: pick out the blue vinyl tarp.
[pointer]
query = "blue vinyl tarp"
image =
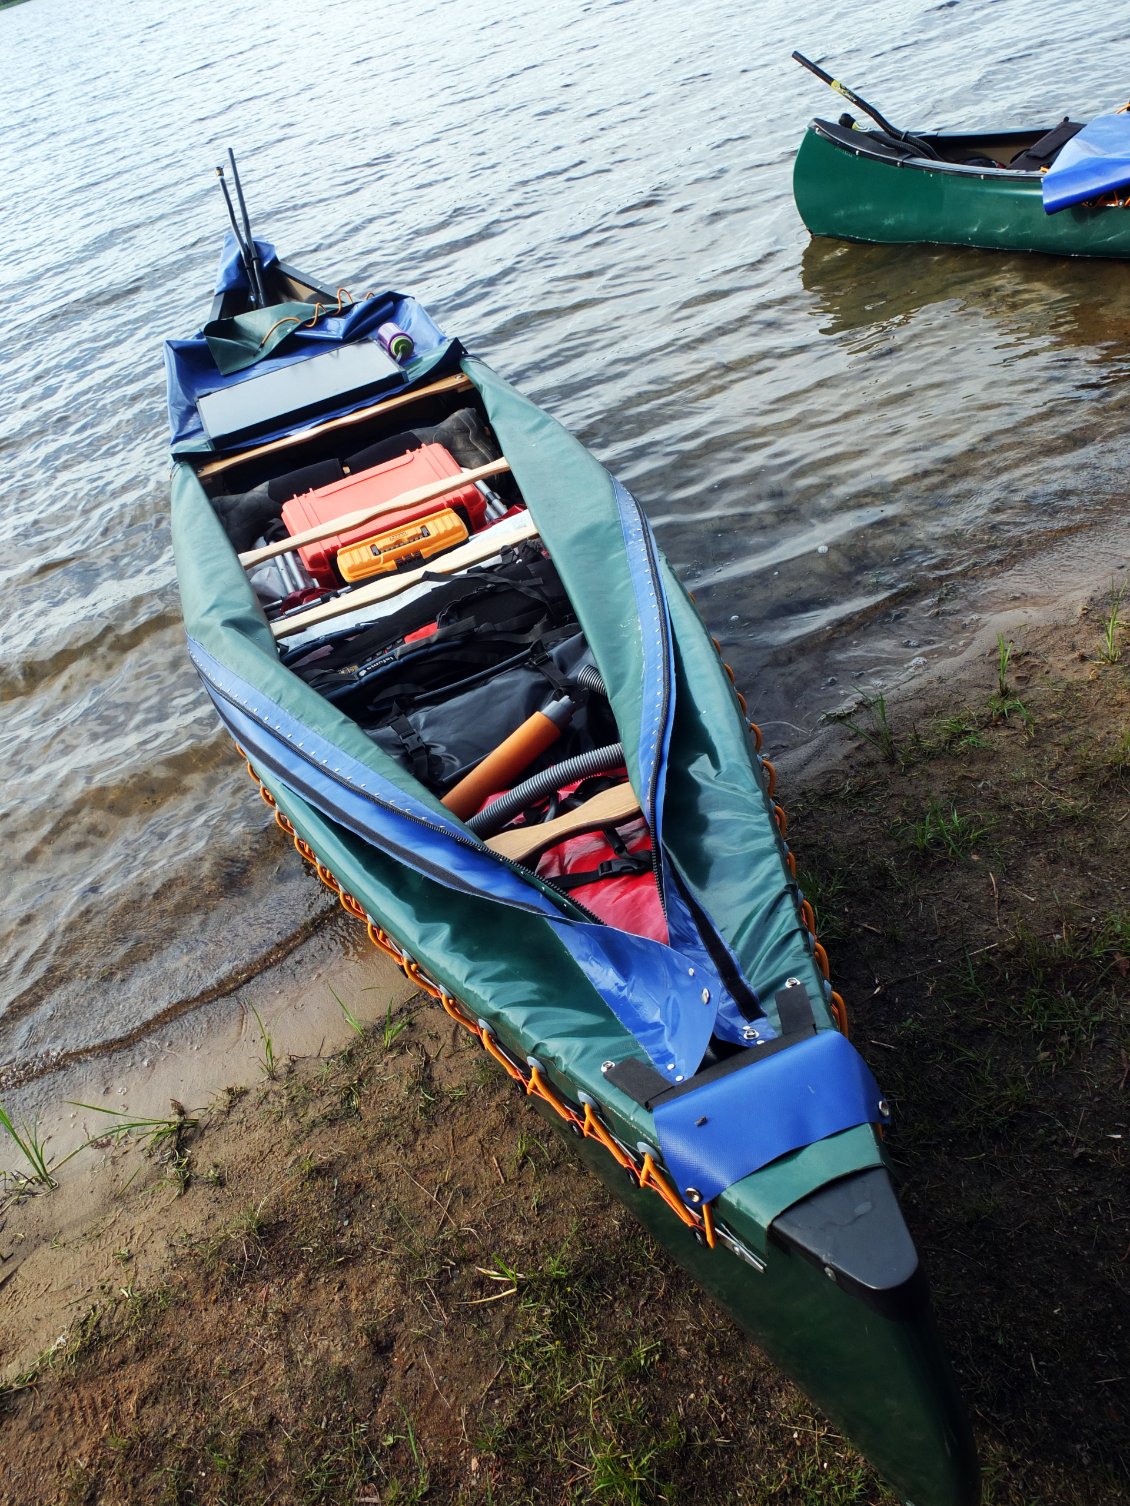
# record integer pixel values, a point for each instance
(1095, 161)
(191, 369)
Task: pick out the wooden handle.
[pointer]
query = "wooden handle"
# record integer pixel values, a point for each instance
(499, 769)
(609, 808)
(445, 384)
(349, 520)
(481, 547)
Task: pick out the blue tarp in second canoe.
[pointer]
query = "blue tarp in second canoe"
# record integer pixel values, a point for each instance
(1094, 162)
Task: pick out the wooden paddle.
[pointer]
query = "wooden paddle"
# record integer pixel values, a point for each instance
(477, 549)
(347, 521)
(455, 383)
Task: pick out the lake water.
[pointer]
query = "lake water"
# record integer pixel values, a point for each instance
(597, 198)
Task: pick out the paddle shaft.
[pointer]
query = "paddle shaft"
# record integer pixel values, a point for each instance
(432, 492)
(851, 97)
(254, 266)
(481, 546)
(244, 255)
(881, 121)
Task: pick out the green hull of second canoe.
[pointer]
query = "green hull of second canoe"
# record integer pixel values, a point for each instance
(853, 196)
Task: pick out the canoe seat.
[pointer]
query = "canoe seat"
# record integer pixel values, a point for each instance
(1042, 153)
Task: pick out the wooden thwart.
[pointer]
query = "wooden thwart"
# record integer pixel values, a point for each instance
(611, 806)
(457, 383)
(479, 548)
(432, 492)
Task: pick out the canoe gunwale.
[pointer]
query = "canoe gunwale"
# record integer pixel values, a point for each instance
(874, 151)
(843, 189)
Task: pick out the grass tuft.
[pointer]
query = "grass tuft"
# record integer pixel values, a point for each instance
(268, 1058)
(350, 1018)
(1005, 649)
(163, 1137)
(33, 1147)
(945, 831)
(876, 729)
(1112, 626)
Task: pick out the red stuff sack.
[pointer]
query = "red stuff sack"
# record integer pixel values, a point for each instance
(610, 873)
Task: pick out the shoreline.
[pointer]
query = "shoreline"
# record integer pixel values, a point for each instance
(291, 1008)
(213, 1223)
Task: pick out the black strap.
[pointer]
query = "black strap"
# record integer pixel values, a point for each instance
(1043, 152)
(634, 863)
(415, 748)
(794, 1010)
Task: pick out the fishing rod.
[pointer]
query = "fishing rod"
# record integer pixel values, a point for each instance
(252, 264)
(861, 104)
(235, 230)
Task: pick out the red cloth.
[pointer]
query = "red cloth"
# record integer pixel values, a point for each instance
(629, 902)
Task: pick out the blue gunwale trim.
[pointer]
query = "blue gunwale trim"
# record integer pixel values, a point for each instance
(657, 715)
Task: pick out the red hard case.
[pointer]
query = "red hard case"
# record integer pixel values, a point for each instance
(368, 488)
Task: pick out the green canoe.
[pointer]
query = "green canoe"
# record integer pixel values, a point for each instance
(866, 185)
(680, 1028)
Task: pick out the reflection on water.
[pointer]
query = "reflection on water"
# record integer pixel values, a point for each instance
(822, 434)
(862, 289)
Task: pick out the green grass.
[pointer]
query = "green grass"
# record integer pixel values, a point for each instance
(570, 1406)
(960, 732)
(350, 1018)
(239, 1249)
(1005, 649)
(412, 1489)
(392, 1028)
(1003, 707)
(871, 721)
(164, 1136)
(829, 890)
(1111, 627)
(944, 831)
(268, 1059)
(33, 1147)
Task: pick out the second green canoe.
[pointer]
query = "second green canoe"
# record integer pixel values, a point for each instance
(865, 185)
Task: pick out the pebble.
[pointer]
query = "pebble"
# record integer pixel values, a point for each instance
(821, 549)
